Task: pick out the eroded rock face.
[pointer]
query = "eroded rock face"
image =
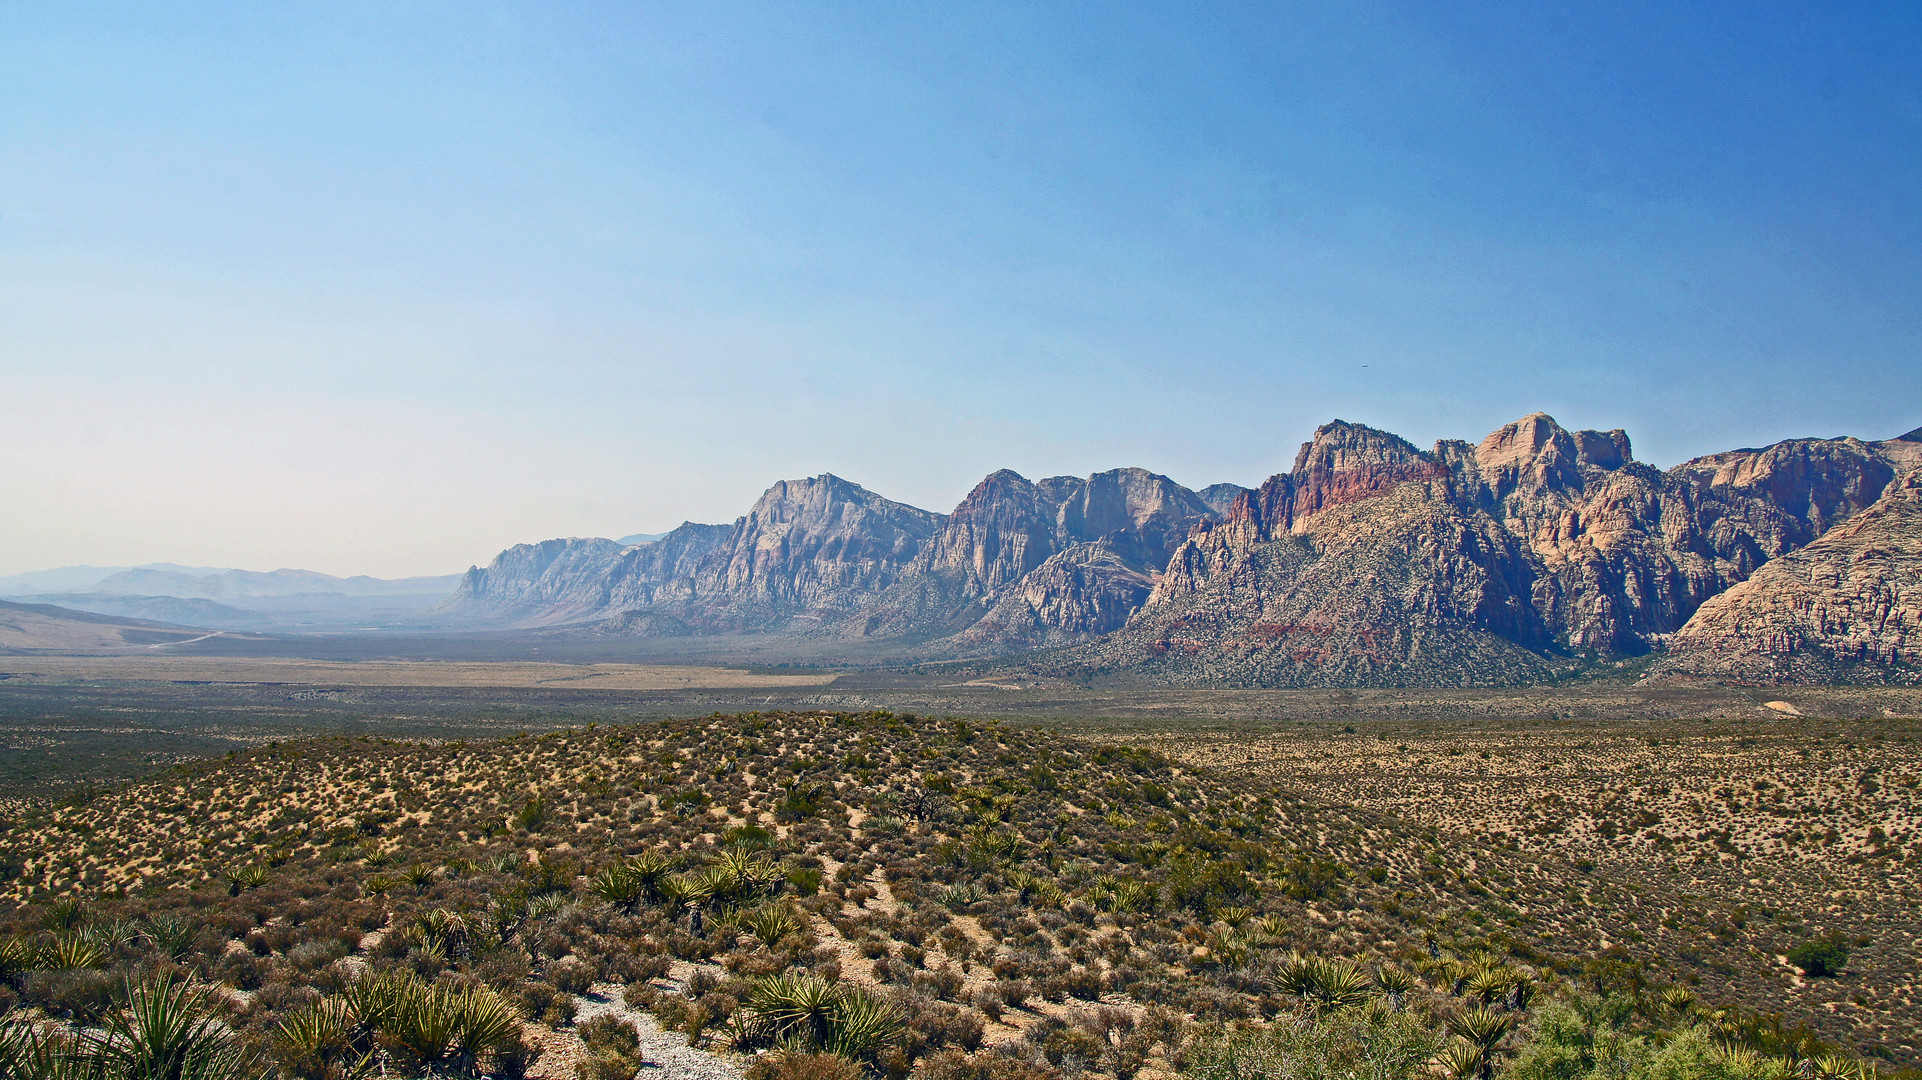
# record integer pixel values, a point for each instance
(1349, 462)
(561, 576)
(1846, 608)
(975, 575)
(1086, 590)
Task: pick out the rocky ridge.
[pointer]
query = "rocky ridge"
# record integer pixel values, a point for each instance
(1371, 562)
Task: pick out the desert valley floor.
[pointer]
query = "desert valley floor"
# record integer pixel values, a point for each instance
(1603, 834)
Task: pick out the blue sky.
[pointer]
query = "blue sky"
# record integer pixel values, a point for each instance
(384, 288)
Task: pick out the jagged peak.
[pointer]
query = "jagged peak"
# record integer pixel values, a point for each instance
(826, 487)
(1339, 444)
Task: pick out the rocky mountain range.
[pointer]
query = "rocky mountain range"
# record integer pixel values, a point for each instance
(1371, 562)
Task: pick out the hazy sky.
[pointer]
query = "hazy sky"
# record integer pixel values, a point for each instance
(384, 288)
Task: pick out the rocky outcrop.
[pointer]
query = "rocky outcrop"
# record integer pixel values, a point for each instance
(551, 580)
(1846, 608)
(1402, 589)
(1084, 591)
(1219, 497)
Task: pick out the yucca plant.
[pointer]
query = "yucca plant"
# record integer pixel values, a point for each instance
(1133, 896)
(772, 922)
(420, 876)
(1485, 1027)
(1742, 1061)
(960, 897)
(1678, 999)
(16, 956)
(69, 952)
(1837, 1067)
(28, 1052)
(1480, 1025)
(789, 1007)
(616, 886)
(1230, 950)
(442, 929)
(1488, 984)
(1461, 1060)
(1036, 890)
(171, 934)
(1323, 985)
(1235, 916)
(110, 934)
(374, 999)
(1394, 983)
(417, 1027)
(690, 890)
(863, 1024)
(243, 878)
(627, 885)
(64, 917)
(806, 1012)
(168, 1032)
(484, 1023)
(319, 1042)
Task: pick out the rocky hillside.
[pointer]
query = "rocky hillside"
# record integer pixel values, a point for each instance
(1371, 562)
(1847, 608)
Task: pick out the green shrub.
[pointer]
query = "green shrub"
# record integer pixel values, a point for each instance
(1823, 957)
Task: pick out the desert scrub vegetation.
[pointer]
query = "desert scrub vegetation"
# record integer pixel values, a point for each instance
(824, 895)
(1716, 845)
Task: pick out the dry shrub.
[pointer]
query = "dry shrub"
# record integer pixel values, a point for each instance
(986, 1065)
(781, 1065)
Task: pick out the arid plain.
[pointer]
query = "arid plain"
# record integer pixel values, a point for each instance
(1689, 834)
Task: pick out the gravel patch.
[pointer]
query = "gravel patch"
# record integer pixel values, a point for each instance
(668, 1057)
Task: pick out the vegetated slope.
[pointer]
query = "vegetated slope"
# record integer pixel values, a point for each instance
(1369, 563)
(28, 628)
(983, 880)
(1847, 608)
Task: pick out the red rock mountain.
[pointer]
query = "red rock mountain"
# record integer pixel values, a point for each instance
(1371, 562)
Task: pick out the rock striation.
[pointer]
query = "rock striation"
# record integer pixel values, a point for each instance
(1371, 562)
